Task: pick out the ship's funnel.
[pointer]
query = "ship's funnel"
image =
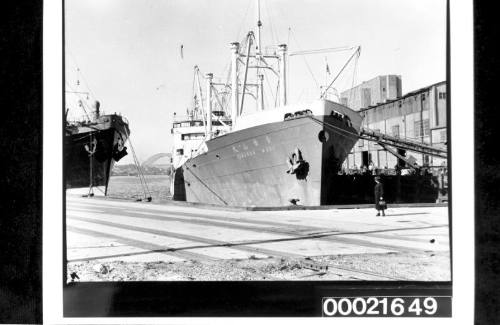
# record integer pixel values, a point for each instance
(96, 106)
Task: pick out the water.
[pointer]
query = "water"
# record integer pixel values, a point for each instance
(129, 187)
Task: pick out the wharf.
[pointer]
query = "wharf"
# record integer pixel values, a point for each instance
(109, 231)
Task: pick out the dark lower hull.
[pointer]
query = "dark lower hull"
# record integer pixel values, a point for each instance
(249, 167)
(359, 189)
(89, 156)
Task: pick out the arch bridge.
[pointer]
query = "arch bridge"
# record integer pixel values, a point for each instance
(151, 160)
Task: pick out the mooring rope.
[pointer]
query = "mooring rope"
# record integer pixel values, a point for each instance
(91, 158)
(142, 179)
(203, 183)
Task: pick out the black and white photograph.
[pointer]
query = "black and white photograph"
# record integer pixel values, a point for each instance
(251, 141)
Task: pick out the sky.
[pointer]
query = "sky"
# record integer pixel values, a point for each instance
(126, 53)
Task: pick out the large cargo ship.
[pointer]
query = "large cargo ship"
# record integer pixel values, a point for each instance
(91, 147)
(275, 156)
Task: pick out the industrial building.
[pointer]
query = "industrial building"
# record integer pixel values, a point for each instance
(372, 92)
(419, 116)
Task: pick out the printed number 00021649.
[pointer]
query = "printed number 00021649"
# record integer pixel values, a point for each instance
(380, 306)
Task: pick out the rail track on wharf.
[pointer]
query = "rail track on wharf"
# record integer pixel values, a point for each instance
(111, 231)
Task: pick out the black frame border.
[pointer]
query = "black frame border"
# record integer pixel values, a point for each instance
(235, 298)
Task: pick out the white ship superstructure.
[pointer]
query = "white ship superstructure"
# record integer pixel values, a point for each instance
(190, 133)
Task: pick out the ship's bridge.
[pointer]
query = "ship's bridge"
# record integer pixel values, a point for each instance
(190, 132)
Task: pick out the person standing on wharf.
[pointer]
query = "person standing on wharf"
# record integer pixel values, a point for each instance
(380, 204)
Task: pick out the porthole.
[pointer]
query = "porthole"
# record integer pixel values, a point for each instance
(323, 136)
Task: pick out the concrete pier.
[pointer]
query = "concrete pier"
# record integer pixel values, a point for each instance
(111, 230)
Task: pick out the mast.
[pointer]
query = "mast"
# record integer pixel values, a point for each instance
(244, 86)
(258, 55)
(282, 55)
(197, 76)
(260, 93)
(234, 81)
(209, 77)
(259, 25)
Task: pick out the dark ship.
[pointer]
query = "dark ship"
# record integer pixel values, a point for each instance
(91, 147)
(276, 156)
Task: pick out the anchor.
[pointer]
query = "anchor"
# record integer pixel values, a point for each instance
(297, 165)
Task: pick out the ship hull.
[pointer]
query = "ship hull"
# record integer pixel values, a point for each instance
(90, 152)
(250, 167)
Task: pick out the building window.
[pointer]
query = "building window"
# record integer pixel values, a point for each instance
(423, 96)
(427, 160)
(361, 143)
(442, 95)
(395, 131)
(443, 135)
(180, 151)
(418, 128)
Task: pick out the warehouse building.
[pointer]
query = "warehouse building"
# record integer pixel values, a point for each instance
(372, 92)
(419, 116)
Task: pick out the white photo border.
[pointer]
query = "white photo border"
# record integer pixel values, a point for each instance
(462, 136)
